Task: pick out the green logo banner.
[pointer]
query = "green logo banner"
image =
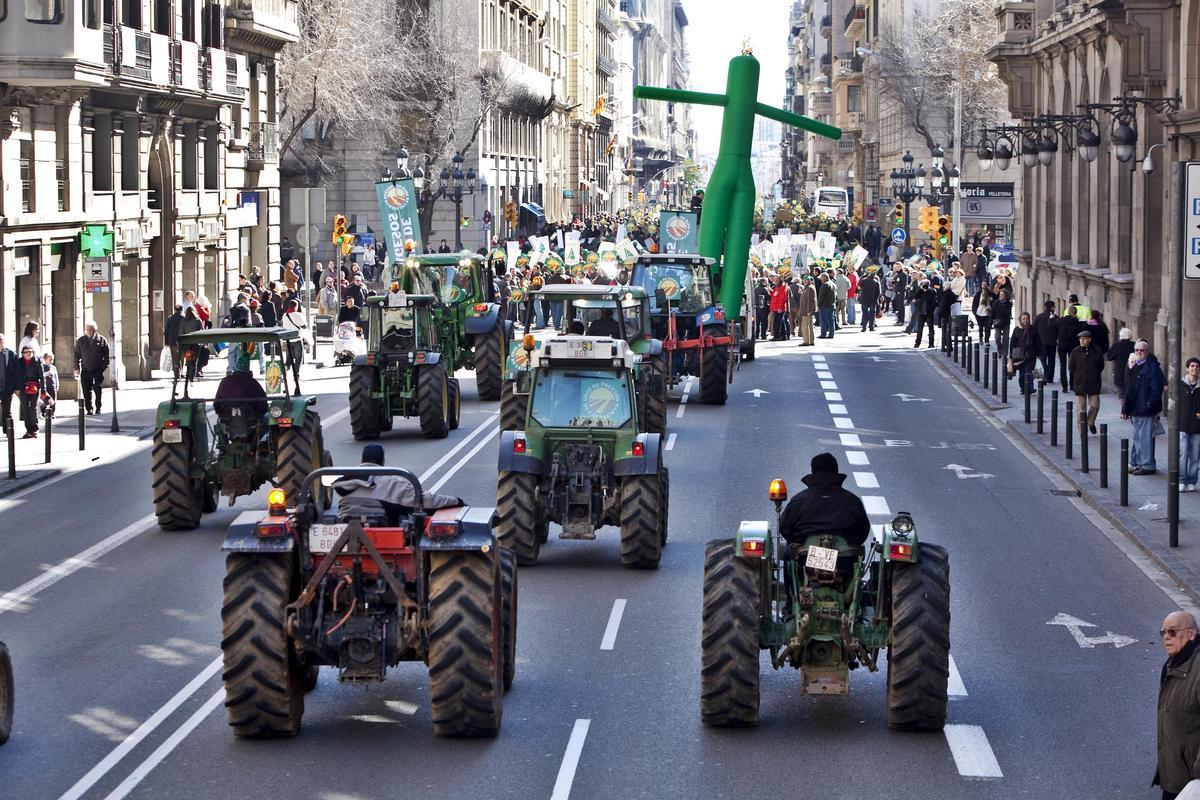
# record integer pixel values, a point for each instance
(401, 217)
(677, 231)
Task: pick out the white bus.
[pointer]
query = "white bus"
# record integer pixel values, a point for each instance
(833, 201)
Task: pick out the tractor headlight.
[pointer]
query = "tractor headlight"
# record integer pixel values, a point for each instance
(276, 412)
(903, 523)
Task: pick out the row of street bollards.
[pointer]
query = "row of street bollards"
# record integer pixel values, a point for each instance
(47, 439)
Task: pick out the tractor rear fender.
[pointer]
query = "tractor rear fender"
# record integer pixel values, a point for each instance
(432, 357)
(362, 360)
(243, 535)
(645, 464)
(474, 529)
(753, 539)
(482, 322)
(298, 406)
(513, 461)
(188, 413)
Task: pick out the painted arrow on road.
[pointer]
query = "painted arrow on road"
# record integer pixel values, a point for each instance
(756, 392)
(912, 398)
(877, 360)
(959, 470)
(1076, 626)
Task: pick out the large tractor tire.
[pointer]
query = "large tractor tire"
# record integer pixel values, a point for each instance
(508, 614)
(748, 348)
(433, 401)
(465, 650)
(210, 496)
(714, 373)
(455, 404)
(491, 350)
(653, 402)
(178, 500)
(729, 638)
(919, 648)
(298, 451)
(513, 407)
(364, 411)
(641, 521)
(264, 683)
(6, 694)
(664, 517)
(519, 523)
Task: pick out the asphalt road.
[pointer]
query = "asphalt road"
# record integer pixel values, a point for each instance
(114, 626)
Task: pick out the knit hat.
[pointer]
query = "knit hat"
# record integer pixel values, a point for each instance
(373, 454)
(824, 462)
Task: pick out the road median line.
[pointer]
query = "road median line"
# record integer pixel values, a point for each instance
(570, 762)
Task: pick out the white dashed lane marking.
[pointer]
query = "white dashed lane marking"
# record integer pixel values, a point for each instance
(972, 754)
(829, 385)
(614, 624)
(837, 408)
(843, 423)
(850, 440)
(570, 762)
(825, 376)
(671, 442)
(857, 457)
(955, 686)
(876, 504)
(818, 357)
(866, 480)
(833, 397)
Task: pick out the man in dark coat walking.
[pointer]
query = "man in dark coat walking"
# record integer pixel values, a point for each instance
(926, 299)
(1086, 365)
(1045, 325)
(1178, 706)
(8, 383)
(868, 299)
(1068, 327)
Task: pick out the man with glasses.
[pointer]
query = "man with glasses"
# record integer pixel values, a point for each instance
(1178, 707)
(1142, 403)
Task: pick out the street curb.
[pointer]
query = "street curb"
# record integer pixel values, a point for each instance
(1132, 529)
(24, 481)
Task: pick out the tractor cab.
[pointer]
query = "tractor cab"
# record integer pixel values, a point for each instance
(400, 326)
(582, 382)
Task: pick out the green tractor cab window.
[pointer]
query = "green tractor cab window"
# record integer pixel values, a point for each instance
(581, 399)
(685, 287)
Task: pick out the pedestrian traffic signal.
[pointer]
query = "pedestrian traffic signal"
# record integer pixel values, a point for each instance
(898, 215)
(339, 228)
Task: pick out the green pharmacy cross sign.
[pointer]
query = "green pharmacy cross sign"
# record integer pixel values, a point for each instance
(729, 199)
(96, 241)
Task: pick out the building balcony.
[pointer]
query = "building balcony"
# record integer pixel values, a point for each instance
(262, 145)
(223, 72)
(604, 19)
(850, 121)
(822, 103)
(521, 78)
(856, 21)
(263, 22)
(826, 25)
(826, 64)
(606, 65)
(59, 55)
(849, 66)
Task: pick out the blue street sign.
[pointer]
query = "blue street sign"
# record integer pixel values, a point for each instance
(898, 235)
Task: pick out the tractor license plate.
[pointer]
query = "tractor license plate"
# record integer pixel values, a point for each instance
(172, 435)
(823, 559)
(321, 537)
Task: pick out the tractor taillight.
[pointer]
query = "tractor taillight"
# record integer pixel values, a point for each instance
(753, 548)
(639, 449)
(518, 445)
(900, 552)
(270, 530)
(371, 358)
(480, 308)
(171, 423)
(439, 529)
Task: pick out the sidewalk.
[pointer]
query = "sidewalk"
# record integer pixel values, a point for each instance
(1144, 519)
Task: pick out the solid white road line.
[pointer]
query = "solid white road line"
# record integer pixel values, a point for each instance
(671, 442)
(566, 771)
(837, 408)
(972, 754)
(866, 480)
(164, 749)
(955, 686)
(450, 474)
(145, 729)
(833, 397)
(614, 623)
(843, 423)
(19, 597)
(876, 504)
(465, 440)
(338, 417)
(850, 440)
(829, 385)
(857, 457)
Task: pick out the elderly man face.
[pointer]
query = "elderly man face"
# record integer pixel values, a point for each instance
(90, 329)
(1178, 629)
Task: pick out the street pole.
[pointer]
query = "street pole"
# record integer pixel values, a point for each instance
(907, 243)
(308, 248)
(457, 221)
(112, 338)
(1175, 352)
(954, 203)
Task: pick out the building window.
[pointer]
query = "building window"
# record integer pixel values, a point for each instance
(45, 11)
(131, 13)
(190, 136)
(129, 156)
(91, 14)
(189, 20)
(102, 149)
(210, 24)
(162, 17)
(26, 170)
(853, 98)
(212, 157)
(62, 146)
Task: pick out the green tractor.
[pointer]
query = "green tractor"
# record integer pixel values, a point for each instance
(580, 460)
(468, 313)
(198, 456)
(825, 607)
(622, 312)
(407, 370)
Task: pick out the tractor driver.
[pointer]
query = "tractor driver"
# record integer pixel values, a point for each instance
(605, 325)
(383, 495)
(239, 389)
(825, 507)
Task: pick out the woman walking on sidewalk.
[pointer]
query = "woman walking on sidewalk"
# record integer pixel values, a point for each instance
(30, 383)
(1188, 418)
(981, 307)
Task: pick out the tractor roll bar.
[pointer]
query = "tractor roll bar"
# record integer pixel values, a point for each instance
(366, 472)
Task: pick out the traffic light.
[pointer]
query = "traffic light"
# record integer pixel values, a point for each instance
(941, 240)
(464, 221)
(929, 219)
(510, 212)
(898, 216)
(339, 228)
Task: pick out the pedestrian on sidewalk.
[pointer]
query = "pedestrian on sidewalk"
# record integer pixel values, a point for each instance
(171, 333)
(868, 298)
(794, 297)
(1022, 354)
(808, 310)
(1086, 364)
(1045, 325)
(8, 383)
(1067, 338)
(1188, 421)
(1001, 319)
(852, 296)
(30, 339)
(925, 302)
(841, 292)
(1178, 710)
(826, 302)
(91, 360)
(1119, 355)
(981, 307)
(49, 385)
(31, 382)
(1141, 406)
(1100, 335)
(779, 311)
(294, 320)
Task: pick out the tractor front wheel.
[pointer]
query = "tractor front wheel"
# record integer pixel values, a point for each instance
(729, 638)
(465, 651)
(433, 401)
(653, 401)
(264, 683)
(455, 404)
(364, 411)
(919, 649)
(642, 504)
(6, 694)
(491, 350)
(508, 614)
(519, 521)
(298, 452)
(714, 373)
(178, 500)
(512, 407)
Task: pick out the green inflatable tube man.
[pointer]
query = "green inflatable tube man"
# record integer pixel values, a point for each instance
(729, 197)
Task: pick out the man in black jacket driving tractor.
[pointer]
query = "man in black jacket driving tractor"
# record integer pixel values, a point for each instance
(825, 507)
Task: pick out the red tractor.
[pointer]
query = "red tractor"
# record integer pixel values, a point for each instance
(306, 588)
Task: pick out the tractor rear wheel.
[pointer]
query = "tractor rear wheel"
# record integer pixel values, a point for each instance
(519, 522)
(919, 648)
(666, 502)
(641, 521)
(729, 638)
(465, 651)
(298, 452)
(491, 350)
(455, 404)
(508, 614)
(433, 401)
(264, 683)
(653, 402)
(714, 369)
(210, 496)
(512, 407)
(364, 411)
(6, 694)
(748, 348)
(178, 500)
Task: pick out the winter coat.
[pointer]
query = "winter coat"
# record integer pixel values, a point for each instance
(50, 380)
(269, 311)
(926, 300)
(981, 304)
(779, 299)
(868, 291)
(1188, 412)
(854, 281)
(171, 329)
(762, 297)
(825, 507)
(91, 353)
(8, 370)
(967, 263)
(1119, 354)
(808, 300)
(1179, 720)
(946, 298)
(379, 495)
(793, 288)
(1099, 334)
(1086, 365)
(841, 287)
(826, 297)
(1001, 312)
(1046, 326)
(30, 372)
(1026, 339)
(328, 301)
(1143, 389)
(1067, 332)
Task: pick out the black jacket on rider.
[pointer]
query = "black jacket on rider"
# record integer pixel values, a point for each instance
(825, 507)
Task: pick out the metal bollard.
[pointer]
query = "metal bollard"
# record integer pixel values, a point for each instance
(986, 372)
(11, 434)
(1124, 472)
(1041, 424)
(977, 362)
(49, 436)
(82, 426)
(1054, 418)
(1083, 445)
(1070, 429)
(1028, 387)
(1104, 456)
(995, 374)
(954, 348)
